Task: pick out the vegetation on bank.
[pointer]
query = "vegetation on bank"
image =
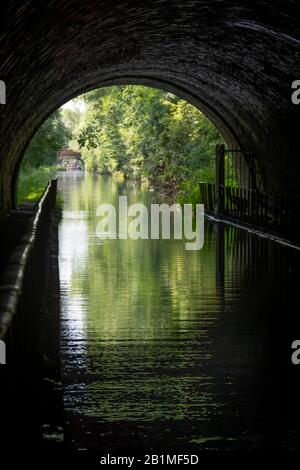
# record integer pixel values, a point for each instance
(142, 133)
(32, 183)
(38, 165)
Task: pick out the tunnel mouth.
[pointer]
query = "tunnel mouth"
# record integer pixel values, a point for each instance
(181, 90)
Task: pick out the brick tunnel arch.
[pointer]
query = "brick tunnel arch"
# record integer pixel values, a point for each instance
(235, 61)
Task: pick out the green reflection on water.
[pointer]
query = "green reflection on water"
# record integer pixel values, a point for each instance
(140, 320)
(145, 324)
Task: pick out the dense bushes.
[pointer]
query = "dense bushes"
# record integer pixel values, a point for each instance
(147, 133)
(141, 132)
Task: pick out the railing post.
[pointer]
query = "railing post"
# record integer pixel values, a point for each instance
(220, 179)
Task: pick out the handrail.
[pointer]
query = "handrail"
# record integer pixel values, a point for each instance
(277, 213)
(12, 279)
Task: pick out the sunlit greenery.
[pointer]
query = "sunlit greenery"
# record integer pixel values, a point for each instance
(49, 139)
(38, 165)
(142, 133)
(146, 133)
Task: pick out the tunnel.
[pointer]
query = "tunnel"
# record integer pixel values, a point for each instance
(236, 61)
(110, 347)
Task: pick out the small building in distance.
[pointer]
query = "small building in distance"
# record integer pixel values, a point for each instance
(70, 159)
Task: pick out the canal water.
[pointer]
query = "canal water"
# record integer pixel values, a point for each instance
(165, 349)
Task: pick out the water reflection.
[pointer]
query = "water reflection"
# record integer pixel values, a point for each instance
(163, 347)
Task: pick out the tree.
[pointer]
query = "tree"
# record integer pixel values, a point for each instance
(49, 139)
(147, 133)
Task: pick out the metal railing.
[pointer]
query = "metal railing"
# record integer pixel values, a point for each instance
(278, 213)
(240, 169)
(236, 195)
(208, 196)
